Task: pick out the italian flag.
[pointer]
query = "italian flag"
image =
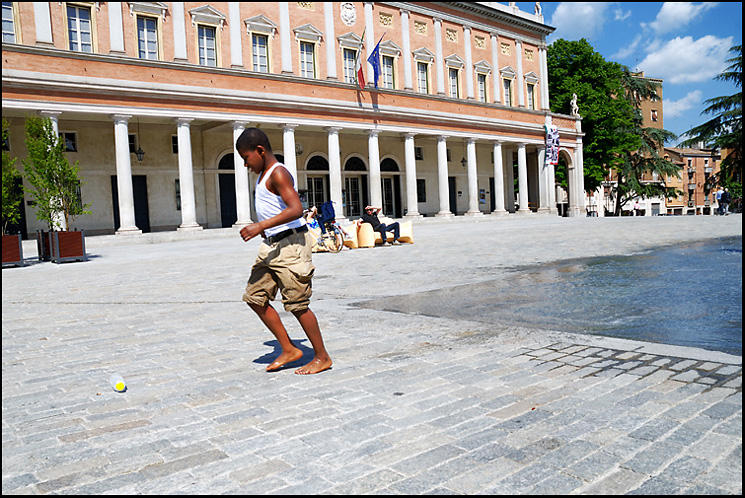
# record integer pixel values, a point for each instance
(358, 66)
(359, 72)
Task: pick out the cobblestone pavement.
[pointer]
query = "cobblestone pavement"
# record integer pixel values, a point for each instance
(414, 404)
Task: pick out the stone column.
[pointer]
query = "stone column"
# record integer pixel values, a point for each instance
(412, 202)
(376, 191)
(124, 176)
(242, 195)
(439, 61)
(235, 25)
(288, 149)
(328, 15)
(519, 79)
(497, 88)
(544, 184)
(179, 32)
(522, 179)
(498, 180)
(369, 40)
(116, 28)
(469, 61)
(442, 177)
(473, 179)
(335, 171)
(406, 41)
(544, 76)
(284, 36)
(186, 176)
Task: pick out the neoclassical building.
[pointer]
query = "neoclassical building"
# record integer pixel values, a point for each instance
(150, 96)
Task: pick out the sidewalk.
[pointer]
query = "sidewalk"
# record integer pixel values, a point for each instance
(414, 404)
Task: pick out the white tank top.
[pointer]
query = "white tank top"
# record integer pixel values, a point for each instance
(269, 205)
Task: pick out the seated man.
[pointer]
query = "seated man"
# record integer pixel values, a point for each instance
(370, 215)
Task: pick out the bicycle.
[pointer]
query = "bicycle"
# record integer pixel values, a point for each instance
(332, 238)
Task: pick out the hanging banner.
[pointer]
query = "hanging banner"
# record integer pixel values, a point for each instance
(552, 145)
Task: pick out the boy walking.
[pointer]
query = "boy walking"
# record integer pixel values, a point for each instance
(284, 260)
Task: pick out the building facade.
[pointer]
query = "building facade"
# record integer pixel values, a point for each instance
(150, 97)
(697, 180)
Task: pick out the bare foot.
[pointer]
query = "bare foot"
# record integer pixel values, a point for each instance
(314, 367)
(284, 359)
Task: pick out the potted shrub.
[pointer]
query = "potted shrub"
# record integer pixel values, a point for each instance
(55, 191)
(12, 198)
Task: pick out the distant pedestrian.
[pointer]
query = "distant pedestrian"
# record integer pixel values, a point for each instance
(636, 208)
(725, 200)
(719, 200)
(284, 260)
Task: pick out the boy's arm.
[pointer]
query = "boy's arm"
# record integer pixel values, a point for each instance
(282, 184)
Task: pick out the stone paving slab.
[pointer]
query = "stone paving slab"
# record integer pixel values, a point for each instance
(414, 404)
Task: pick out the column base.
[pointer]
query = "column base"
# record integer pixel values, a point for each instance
(129, 231)
(411, 216)
(500, 212)
(241, 224)
(444, 214)
(524, 211)
(474, 213)
(189, 228)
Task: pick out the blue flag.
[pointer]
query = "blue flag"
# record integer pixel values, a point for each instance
(374, 60)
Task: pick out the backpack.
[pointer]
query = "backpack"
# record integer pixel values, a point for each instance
(327, 212)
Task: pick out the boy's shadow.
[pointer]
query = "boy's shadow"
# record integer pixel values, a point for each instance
(268, 358)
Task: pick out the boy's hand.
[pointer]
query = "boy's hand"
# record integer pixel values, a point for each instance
(250, 231)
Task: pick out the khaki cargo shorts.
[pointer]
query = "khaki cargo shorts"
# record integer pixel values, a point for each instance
(285, 266)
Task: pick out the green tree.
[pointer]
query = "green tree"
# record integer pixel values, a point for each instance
(615, 142)
(55, 183)
(724, 130)
(575, 67)
(12, 194)
(645, 158)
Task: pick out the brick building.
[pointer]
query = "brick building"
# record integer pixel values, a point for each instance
(150, 96)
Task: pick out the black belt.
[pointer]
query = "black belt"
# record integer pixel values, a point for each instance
(285, 233)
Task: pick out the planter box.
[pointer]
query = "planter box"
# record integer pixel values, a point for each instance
(67, 246)
(12, 250)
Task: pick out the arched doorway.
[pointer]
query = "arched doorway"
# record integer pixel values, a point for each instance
(317, 170)
(391, 187)
(226, 185)
(355, 187)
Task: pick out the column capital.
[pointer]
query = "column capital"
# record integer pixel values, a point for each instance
(409, 134)
(182, 121)
(239, 124)
(333, 129)
(289, 126)
(49, 114)
(373, 133)
(118, 118)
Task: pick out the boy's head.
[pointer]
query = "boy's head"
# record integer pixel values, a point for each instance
(251, 138)
(254, 147)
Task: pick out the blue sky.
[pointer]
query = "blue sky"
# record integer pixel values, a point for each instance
(685, 44)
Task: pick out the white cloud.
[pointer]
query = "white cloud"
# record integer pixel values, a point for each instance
(676, 108)
(624, 52)
(676, 15)
(620, 15)
(685, 60)
(575, 20)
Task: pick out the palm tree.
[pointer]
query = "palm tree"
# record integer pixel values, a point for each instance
(644, 157)
(724, 130)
